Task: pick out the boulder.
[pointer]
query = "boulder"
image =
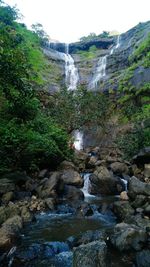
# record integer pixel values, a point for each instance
(103, 182)
(127, 237)
(123, 209)
(143, 258)
(136, 187)
(50, 187)
(124, 196)
(143, 157)
(26, 215)
(9, 231)
(147, 170)
(50, 203)
(6, 186)
(8, 197)
(8, 212)
(65, 165)
(73, 193)
(119, 168)
(71, 177)
(92, 254)
(139, 201)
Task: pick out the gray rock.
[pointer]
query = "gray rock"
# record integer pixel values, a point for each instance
(73, 193)
(119, 168)
(143, 258)
(147, 170)
(8, 197)
(93, 254)
(123, 209)
(127, 236)
(71, 177)
(136, 187)
(103, 182)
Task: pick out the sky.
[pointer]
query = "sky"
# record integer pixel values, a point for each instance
(68, 20)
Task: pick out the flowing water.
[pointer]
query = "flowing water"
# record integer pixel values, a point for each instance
(71, 72)
(78, 143)
(100, 71)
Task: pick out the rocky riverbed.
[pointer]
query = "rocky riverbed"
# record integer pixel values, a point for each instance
(48, 220)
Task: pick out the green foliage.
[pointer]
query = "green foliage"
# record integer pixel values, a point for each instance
(30, 139)
(90, 54)
(142, 53)
(77, 109)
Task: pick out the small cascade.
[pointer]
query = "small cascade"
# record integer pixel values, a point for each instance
(78, 143)
(71, 72)
(116, 46)
(100, 72)
(86, 186)
(101, 66)
(125, 184)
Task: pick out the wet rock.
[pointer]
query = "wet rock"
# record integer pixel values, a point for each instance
(93, 254)
(26, 215)
(143, 258)
(103, 182)
(9, 231)
(9, 196)
(136, 187)
(127, 236)
(71, 177)
(73, 193)
(124, 196)
(119, 168)
(50, 203)
(84, 210)
(63, 259)
(91, 236)
(92, 162)
(28, 254)
(123, 209)
(6, 186)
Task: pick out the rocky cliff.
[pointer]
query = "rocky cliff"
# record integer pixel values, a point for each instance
(87, 54)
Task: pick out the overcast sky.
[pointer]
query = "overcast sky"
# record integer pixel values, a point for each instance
(68, 20)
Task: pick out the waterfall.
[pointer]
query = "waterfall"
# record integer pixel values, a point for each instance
(116, 46)
(78, 143)
(125, 184)
(86, 185)
(101, 66)
(100, 71)
(71, 72)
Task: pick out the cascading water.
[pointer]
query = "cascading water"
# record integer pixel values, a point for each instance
(78, 143)
(101, 67)
(86, 186)
(71, 72)
(100, 72)
(116, 46)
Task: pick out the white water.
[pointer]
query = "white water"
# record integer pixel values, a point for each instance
(100, 71)
(78, 143)
(86, 186)
(126, 184)
(101, 66)
(71, 72)
(116, 46)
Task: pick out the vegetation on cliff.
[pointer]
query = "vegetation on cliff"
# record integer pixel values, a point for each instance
(135, 101)
(29, 138)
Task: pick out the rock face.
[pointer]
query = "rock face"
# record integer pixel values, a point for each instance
(103, 182)
(93, 254)
(128, 236)
(136, 187)
(71, 177)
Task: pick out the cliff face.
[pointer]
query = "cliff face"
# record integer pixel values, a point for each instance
(87, 54)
